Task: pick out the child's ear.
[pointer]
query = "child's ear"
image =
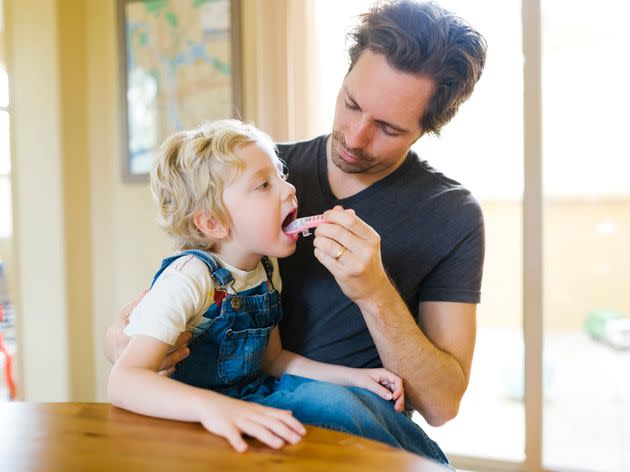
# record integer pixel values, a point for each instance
(211, 226)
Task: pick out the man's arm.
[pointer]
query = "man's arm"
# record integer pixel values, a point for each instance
(434, 358)
(115, 339)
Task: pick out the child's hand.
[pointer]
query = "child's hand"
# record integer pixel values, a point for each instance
(231, 418)
(384, 383)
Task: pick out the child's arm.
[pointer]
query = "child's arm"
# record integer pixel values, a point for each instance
(135, 385)
(384, 383)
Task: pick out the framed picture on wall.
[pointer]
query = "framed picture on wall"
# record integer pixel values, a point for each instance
(179, 66)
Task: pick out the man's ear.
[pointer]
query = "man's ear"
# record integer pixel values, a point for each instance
(211, 226)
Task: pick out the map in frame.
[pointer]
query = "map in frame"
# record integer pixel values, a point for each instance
(177, 72)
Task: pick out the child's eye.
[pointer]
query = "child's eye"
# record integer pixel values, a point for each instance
(263, 185)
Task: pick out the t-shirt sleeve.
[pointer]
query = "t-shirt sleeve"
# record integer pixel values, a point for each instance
(181, 292)
(457, 276)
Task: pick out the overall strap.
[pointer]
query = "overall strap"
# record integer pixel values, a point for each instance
(268, 266)
(221, 275)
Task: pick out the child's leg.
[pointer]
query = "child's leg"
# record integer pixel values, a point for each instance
(349, 410)
(326, 405)
(409, 435)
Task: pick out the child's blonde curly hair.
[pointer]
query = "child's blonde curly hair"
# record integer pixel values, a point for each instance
(188, 176)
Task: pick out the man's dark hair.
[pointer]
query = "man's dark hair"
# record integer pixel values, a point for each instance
(425, 39)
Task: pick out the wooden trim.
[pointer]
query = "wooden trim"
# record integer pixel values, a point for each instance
(532, 235)
(485, 464)
(237, 58)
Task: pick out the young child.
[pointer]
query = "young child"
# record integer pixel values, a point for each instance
(223, 198)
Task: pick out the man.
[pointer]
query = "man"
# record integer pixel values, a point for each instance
(407, 265)
(394, 278)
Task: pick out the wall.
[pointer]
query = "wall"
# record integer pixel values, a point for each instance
(33, 58)
(6, 245)
(126, 245)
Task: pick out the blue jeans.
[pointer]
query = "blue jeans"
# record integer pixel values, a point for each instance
(348, 409)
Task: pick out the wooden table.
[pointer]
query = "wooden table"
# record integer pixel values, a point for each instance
(98, 436)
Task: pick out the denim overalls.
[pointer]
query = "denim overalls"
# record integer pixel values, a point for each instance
(226, 355)
(227, 348)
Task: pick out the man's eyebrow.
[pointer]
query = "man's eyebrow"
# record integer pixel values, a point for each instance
(397, 128)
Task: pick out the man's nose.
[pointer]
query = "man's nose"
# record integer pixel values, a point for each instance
(359, 134)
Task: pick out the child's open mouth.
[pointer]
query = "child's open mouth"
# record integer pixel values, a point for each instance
(289, 218)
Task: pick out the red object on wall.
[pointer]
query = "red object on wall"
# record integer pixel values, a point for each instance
(8, 364)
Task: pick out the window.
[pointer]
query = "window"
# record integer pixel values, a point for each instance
(586, 206)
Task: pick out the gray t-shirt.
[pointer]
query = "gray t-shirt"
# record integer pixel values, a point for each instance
(432, 247)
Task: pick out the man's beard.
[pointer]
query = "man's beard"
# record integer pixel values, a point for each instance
(364, 163)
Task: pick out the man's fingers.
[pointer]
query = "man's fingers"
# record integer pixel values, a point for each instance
(324, 258)
(331, 237)
(173, 357)
(140, 296)
(167, 372)
(331, 246)
(349, 220)
(124, 313)
(183, 339)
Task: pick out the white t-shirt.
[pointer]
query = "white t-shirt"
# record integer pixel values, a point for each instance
(183, 293)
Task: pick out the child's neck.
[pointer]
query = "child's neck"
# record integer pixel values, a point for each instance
(236, 257)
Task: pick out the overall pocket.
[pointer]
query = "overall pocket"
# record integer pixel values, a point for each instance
(241, 353)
